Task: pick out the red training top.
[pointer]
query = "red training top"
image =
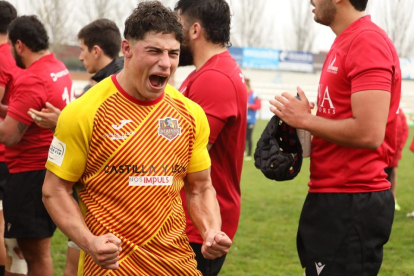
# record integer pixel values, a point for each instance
(219, 88)
(361, 58)
(46, 80)
(8, 74)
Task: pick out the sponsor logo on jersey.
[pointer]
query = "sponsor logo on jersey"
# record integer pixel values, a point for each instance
(325, 104)
(121, 125)
(118, 136)
(242, 77)
(60, 74)
(150, 180)
(144, 169)
(57, 151)
(169, 128)
(331, 67)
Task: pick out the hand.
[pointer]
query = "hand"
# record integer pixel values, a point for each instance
(216, 244)
(104, 250)
(291, 110)
(47, 117)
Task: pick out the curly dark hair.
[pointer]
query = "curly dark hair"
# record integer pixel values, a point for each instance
(152, 16)
(213, 15)
(29, 30)
(359, 5)
(7, 14)
(104, 33)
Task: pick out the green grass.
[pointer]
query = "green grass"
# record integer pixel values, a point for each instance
(265, 243)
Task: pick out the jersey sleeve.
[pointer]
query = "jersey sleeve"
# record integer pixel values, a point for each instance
(200, 159)
(5, 75)
(374, 69)
(215, 93)
(29, 92)
(69, 149)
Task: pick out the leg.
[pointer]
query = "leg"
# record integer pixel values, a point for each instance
(206, 266)
(37, 255)
(15, 263)
(249, 142)
(72, 260)
(2, 247)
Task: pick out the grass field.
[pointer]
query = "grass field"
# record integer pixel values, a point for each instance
(265, 243)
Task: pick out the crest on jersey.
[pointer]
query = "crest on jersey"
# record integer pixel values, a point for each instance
(169, 128)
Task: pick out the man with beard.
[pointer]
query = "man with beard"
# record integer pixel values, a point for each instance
(100, 44)
(15, 264)
(347, 215)
(113, 141)
(45, 79)
(217, 85)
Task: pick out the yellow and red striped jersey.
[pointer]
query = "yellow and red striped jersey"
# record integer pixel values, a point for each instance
(131, 157)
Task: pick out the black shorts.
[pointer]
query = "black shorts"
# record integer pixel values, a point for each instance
(343, 234)
(25, 215)
(4, 175)
(206, 266)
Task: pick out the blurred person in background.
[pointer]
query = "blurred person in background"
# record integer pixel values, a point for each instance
(402, 135)
(217, 85)
(15, 264)
(253, 105)
(46, 79)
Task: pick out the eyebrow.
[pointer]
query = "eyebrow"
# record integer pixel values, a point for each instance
(159, 49)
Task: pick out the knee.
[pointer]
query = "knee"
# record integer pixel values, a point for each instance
(15, 262)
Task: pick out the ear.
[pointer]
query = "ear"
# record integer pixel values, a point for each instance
(195, 31)
(126, 47)
(96, 51)
(19, 46)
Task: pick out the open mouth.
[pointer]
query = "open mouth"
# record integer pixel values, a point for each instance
(158, 80)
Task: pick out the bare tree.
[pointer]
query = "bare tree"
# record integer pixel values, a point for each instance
(396, 18)
(95, 9)
(54, 15)
(303, 36)
(249, 24)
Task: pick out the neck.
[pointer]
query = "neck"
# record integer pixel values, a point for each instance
(3, 38)
(104, 61)
(123, 79)
(28, 60)
(344, 18)
(206, 50)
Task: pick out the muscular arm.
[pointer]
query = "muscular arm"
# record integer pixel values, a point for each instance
(11, 131)
(65, 212)
(204, 211)
(366, 129)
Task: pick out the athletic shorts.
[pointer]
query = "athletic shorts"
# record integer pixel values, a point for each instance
(25, 216)
(205, 266)
(4, 175)
(343, 234)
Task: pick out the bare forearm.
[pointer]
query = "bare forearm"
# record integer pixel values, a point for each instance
(345, 132)
(67, 216)
(204, 210)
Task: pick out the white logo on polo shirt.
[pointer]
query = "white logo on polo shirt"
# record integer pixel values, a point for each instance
(331, 68)
(319, 267)
(57, 151)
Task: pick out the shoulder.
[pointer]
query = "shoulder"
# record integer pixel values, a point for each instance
(177, 96)
(89, 102)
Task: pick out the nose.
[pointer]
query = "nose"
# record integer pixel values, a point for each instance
(165, 61)
(81, 56)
